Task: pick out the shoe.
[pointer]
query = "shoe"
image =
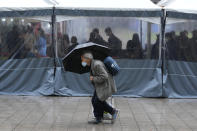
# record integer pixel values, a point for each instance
(107, 116)
(114, 116)
(95, 121)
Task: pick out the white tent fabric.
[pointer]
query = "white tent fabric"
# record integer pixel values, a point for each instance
(107, 4)
(102, 5)
(22, 5)
(59, 18)
(158, 21)
(185, 6)
(179, 10)
(31, 9)
(9, 5)
(163, 3)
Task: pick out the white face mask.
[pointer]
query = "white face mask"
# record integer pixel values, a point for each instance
(84, 64)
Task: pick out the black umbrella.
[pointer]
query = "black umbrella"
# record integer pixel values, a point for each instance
(72, 61)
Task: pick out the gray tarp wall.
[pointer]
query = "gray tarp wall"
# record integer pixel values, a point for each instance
(27, 77)
(137, 78)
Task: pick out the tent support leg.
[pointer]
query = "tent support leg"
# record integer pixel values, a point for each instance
(162, 49)
(141, 32)
(53, 21)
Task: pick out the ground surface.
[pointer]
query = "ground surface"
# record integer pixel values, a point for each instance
(22, 113)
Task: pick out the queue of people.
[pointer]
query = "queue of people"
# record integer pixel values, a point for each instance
(133, 50)
(30, 41)
(178, 47)
(24, 42)
(181, 47)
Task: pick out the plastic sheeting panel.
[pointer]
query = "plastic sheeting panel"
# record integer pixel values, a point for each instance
(27, 77)
(181, 80)
(137, 78)
(180, 60)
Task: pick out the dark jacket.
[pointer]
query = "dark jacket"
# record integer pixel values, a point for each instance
(134, 49)
(114, 42)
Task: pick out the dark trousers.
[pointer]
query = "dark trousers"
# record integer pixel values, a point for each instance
(100, 106)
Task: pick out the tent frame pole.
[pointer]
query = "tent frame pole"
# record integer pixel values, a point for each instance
(141, 32)
(53, 21)
(162, 48)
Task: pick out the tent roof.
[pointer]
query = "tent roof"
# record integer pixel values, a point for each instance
(66, 9)
(186, 6)
(108, 4)
(183, 9)
(17, 8)
(21, 5)
(119, 8)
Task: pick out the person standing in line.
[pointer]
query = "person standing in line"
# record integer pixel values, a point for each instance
(114, 42)
(41, 43)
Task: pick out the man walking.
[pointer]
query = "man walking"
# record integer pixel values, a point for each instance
(104, 85)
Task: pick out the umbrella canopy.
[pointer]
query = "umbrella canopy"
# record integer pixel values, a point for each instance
(72, 61)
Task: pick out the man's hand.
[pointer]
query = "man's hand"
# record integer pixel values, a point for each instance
(91, 78)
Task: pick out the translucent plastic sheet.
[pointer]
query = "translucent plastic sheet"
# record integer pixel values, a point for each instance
(181, 55)
(22, 38)
(133, 42)
(127, 37)
(181, 41)
(27, 51)
(26, 57)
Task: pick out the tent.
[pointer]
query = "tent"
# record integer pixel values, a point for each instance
(42, 73)
(21, 75)
(181, 7)
(121, 16)
(180, 72)
(139, 77)
(21, 8)
(104, 8)
(140, 9)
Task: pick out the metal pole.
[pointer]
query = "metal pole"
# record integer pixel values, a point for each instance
(141, 32)
(148, 40)
(53, 21)
(163, 47)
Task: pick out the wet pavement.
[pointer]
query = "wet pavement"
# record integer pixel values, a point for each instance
(34, 113)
